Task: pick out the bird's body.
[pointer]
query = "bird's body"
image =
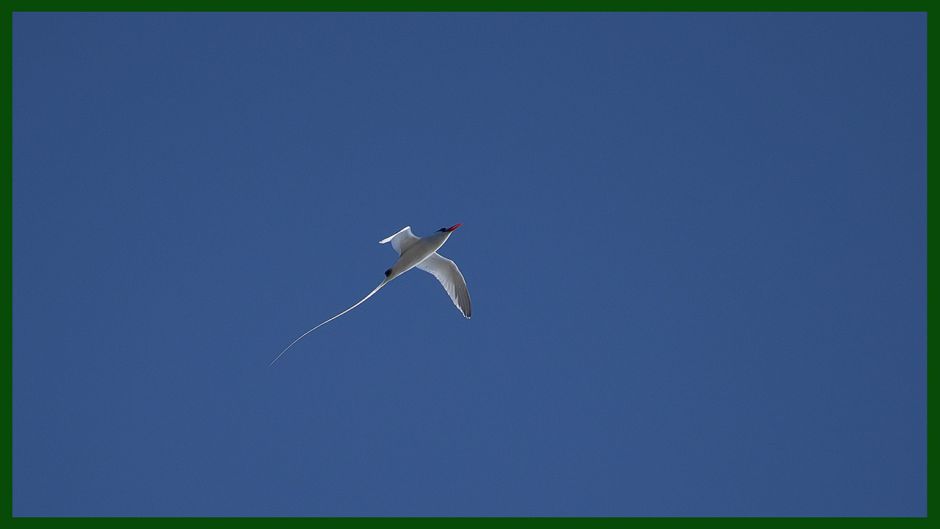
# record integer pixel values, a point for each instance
(412, 250)
(416, 252)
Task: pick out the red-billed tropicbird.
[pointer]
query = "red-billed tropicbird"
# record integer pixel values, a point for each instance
(416, 252)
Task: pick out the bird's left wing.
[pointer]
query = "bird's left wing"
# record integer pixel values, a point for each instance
(451, 279)
(402, 240)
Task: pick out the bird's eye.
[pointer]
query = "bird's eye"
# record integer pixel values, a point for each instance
(442, 229)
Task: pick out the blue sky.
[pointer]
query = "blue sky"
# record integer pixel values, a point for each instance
(695, 245)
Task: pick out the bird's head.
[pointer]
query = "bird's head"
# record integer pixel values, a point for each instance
(452, 228)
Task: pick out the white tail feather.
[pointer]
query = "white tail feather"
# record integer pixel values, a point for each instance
(382, 284)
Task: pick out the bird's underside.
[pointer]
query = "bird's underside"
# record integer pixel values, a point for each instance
(415, 252)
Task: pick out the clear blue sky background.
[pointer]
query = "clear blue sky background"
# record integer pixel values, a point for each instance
(695, 246)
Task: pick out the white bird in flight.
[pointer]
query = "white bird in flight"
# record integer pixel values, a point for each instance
(416, 252)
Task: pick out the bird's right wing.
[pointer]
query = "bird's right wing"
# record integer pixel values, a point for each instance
(402, 240)
(451, 279)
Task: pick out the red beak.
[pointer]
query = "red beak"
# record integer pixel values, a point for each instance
(454, 227)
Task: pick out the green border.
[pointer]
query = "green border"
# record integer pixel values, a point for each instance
(465, 5)
(6, 260)
(6, 214)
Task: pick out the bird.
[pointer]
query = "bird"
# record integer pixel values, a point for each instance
(421, 253)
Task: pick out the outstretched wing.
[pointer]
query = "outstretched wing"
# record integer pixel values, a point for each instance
(402, 240)
(451, 279)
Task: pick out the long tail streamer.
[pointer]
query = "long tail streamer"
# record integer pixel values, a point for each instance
(382, 284)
